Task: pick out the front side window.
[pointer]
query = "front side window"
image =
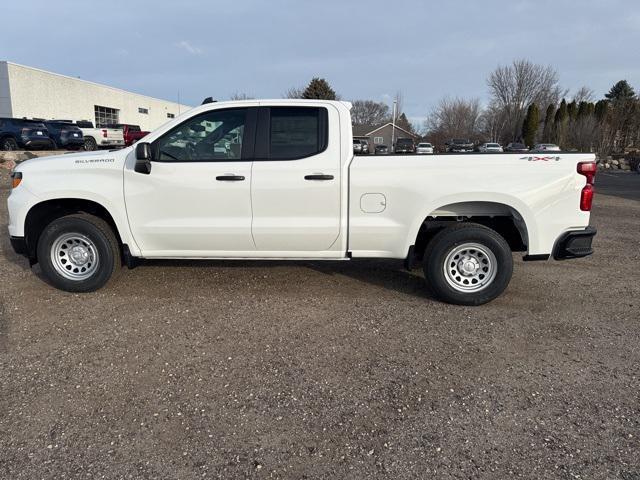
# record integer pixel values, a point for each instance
(297, 132)
(212, 136)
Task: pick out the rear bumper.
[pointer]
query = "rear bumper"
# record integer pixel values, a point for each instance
(574, 244)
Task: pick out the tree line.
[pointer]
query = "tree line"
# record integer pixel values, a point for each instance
(526, 105)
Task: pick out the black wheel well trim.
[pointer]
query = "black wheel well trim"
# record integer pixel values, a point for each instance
(42, 214)
(507, 226)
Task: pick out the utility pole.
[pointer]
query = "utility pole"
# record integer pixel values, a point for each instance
(393, 126)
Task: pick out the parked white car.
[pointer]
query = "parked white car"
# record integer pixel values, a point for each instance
(95, 138)
(545, 147)
(424, 148)
(278, 179)
(490, 148)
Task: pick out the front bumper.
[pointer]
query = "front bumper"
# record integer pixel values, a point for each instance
(574, 244)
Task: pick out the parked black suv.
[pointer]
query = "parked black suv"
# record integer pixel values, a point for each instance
(405, 145)
(17, 133)
(65, 135)
(459, 145)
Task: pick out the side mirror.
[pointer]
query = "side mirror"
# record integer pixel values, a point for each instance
(143, 158)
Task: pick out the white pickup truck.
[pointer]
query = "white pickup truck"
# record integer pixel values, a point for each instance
(278, 180)
(102, 137)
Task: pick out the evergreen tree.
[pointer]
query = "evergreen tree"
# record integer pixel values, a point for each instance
(601, 109)
(319, 89)
(547, 132)
(572, 110)
(530, 125)
(621, 91)
(403, 122)
(560, 123)
(585, 109)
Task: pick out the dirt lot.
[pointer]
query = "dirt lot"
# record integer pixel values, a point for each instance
(323, 370)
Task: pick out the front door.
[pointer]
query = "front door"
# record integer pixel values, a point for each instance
(196, 201)
(295, 184)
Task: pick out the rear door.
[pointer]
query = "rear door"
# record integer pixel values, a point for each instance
(295, 181)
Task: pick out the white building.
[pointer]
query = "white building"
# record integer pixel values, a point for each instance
(33, 93)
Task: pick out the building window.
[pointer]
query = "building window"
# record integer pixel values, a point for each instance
(143, 110)
(106, 115)
(170, 115)
(378, 140)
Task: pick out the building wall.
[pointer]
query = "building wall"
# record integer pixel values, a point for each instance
(5, 97)
(36, 93)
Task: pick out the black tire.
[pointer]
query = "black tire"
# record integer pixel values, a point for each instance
(8, 144)
(90, 144)
(463, 237)
(102, 240)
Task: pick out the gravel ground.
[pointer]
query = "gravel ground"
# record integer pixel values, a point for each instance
(325, 370)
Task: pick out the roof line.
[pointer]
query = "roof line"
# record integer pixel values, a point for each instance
(92, 83)
(395, 126)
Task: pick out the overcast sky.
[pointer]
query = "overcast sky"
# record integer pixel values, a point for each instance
(365, 49)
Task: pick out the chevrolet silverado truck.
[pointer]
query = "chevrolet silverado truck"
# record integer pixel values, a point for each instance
(279, 180)
(95, 138)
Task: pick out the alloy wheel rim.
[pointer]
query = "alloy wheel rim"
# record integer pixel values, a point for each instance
(470, 267)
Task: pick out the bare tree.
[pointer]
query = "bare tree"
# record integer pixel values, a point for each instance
(294, 92)
(492, 123)
(583, 94)
(368, 112)
(240, 96)
(454, 118)
(514, 87)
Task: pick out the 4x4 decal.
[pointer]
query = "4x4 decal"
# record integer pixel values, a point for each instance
(540, 159)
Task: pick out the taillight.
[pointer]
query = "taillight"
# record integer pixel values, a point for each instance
(586, 198)
(588, 169)
(104, 133)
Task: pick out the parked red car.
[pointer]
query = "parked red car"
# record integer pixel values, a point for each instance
(132, 133)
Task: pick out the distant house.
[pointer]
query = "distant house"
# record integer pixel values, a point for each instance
(380, 135)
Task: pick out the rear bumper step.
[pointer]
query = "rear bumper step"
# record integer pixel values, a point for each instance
(575, 244)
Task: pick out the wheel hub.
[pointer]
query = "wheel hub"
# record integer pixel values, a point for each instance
(468, 266)
(79, 255)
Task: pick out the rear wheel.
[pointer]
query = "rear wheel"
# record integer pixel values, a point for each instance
(468, 264)
(78, 253)
(8, 144)
(90, 144)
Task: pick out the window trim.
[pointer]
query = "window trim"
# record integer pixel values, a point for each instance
(248, 140)
(263, 134)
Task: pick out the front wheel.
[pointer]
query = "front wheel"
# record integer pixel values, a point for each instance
(468, 264)
(78, 253)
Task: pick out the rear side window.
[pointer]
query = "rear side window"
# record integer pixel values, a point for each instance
(296, 132)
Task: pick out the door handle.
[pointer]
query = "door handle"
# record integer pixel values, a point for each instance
(229, 178)
(318, 176)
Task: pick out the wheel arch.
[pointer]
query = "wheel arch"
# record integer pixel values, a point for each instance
(513, 223)
(43, 213)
